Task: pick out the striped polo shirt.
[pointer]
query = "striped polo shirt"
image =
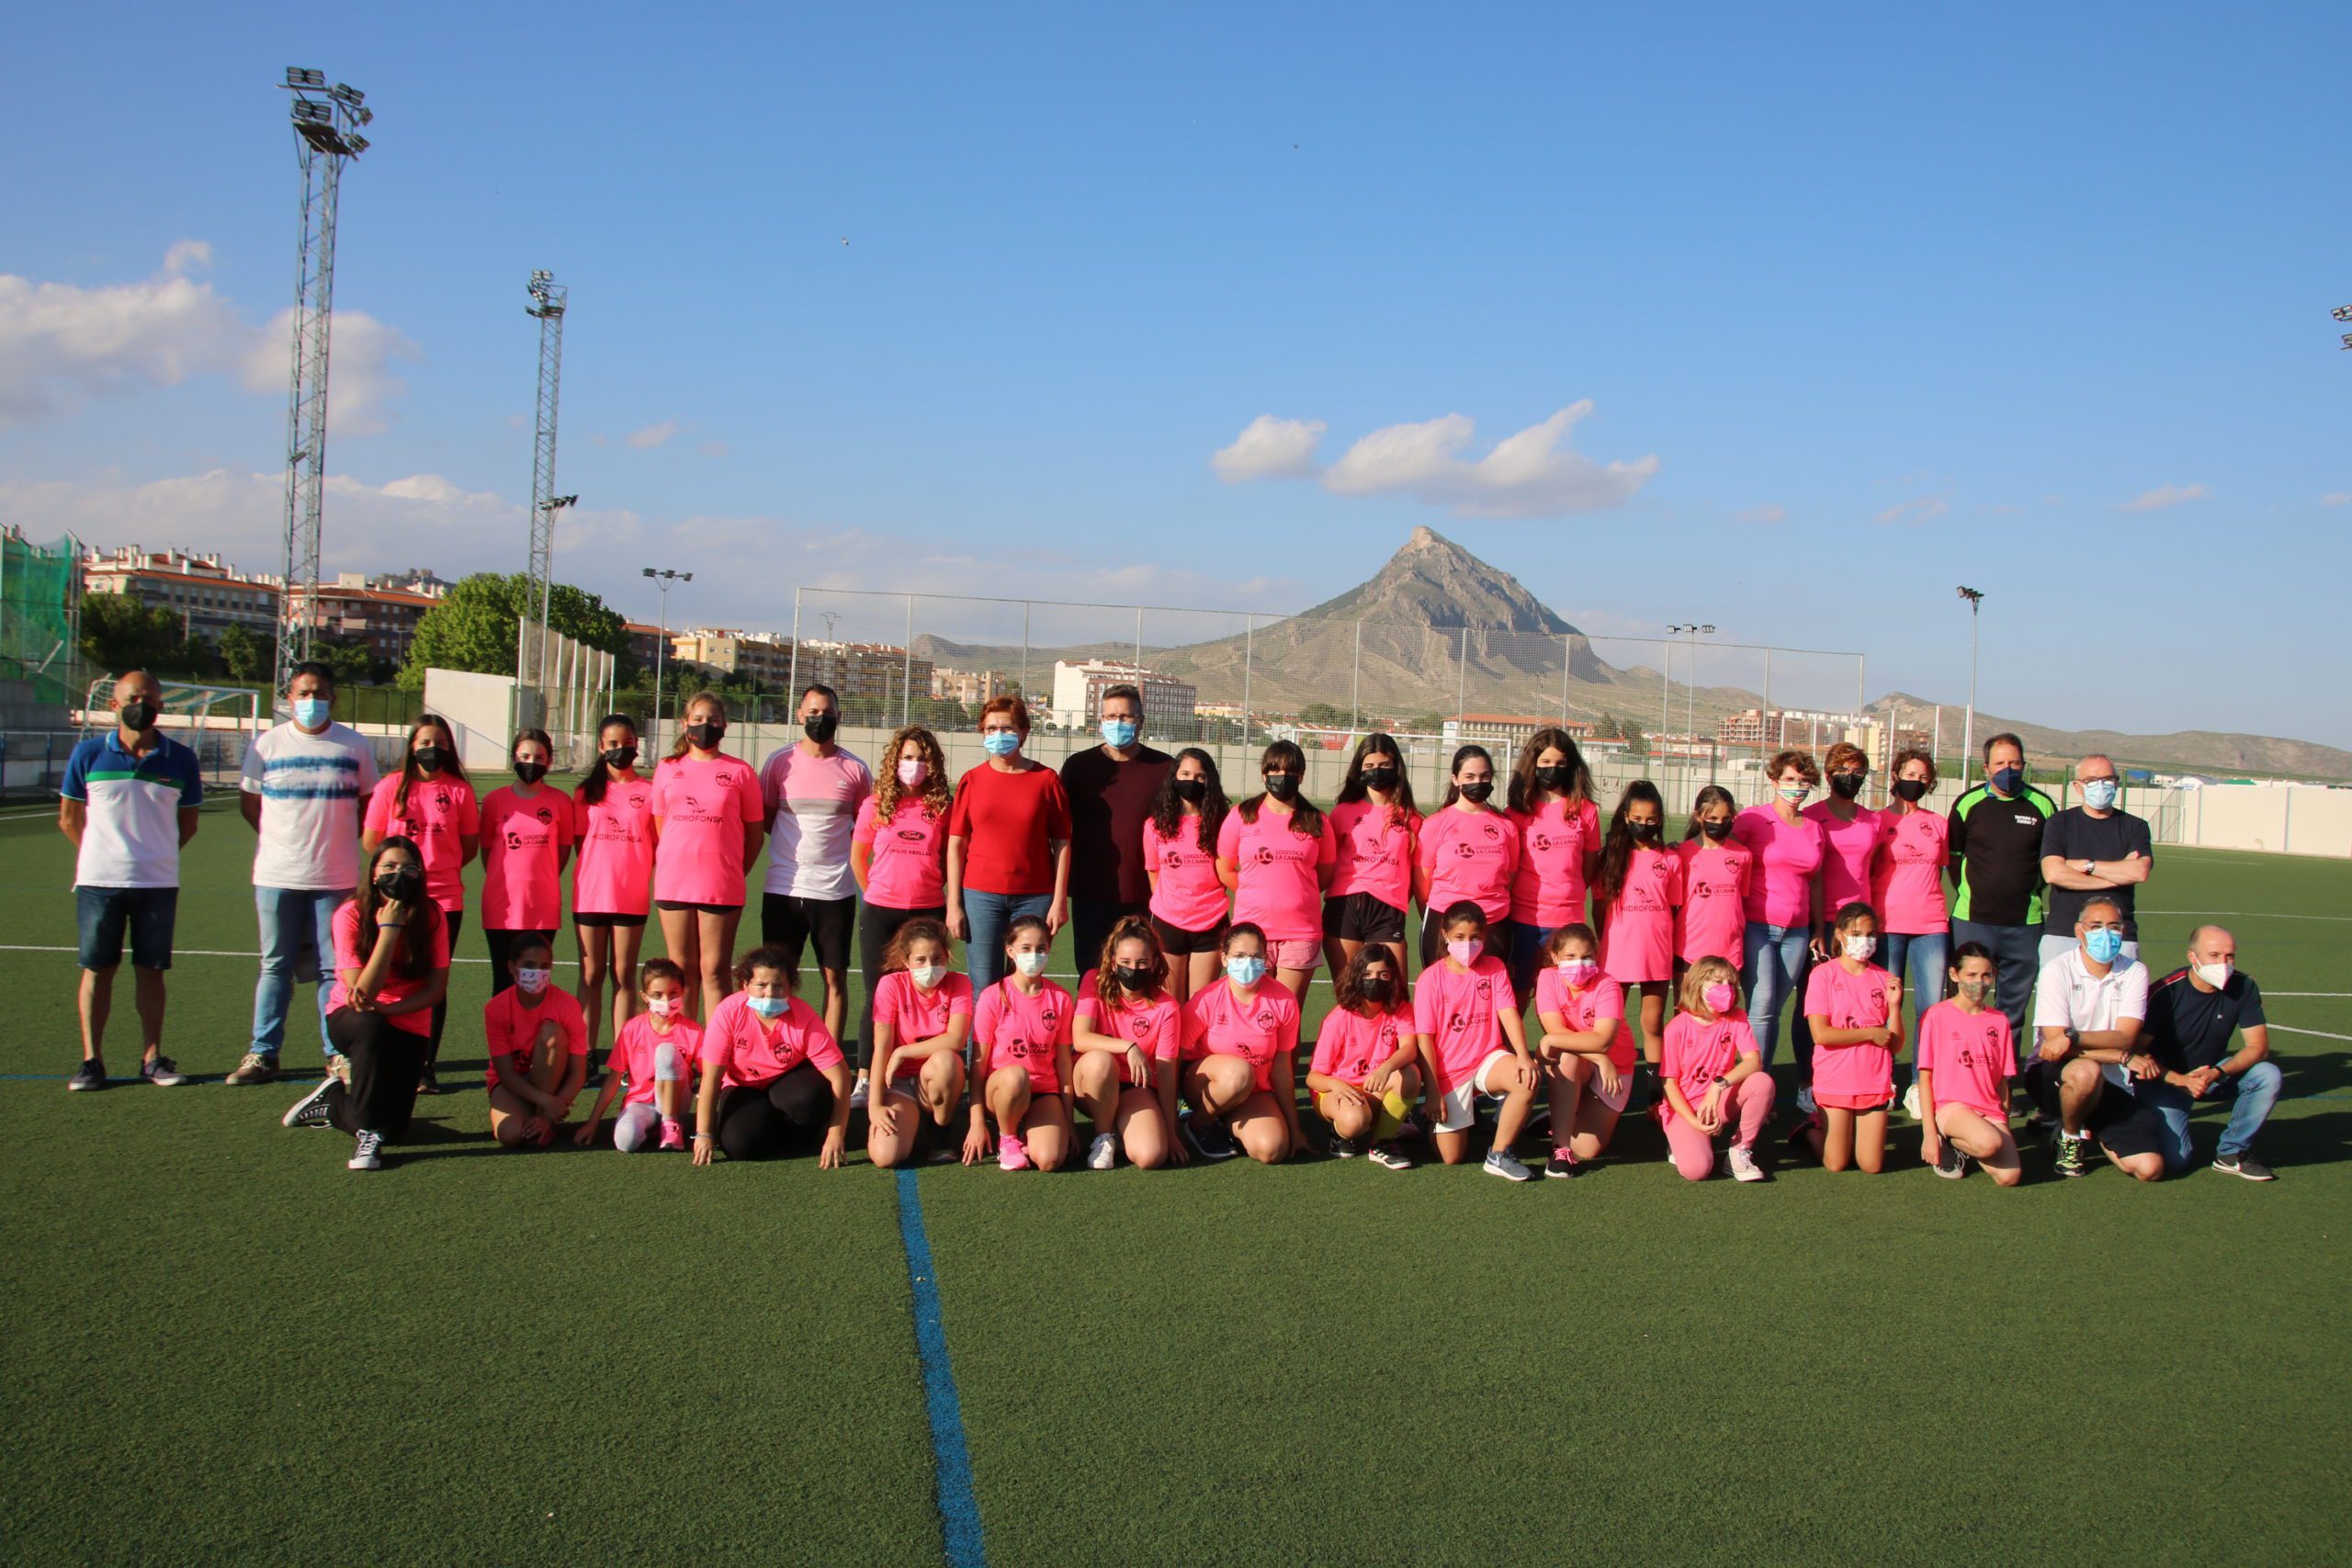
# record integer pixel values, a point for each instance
(130, 828)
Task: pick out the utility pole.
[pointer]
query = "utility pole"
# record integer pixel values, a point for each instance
(1968, 725)
(549, 302)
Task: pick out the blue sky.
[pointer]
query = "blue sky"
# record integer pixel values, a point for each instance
(1865, 302)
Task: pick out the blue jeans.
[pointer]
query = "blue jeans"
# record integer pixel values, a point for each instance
(2255, 1090)
(1928, 957)
(987, 916)
(291, 920)
(1770, 959)
(1527, 959)
(2017, 958)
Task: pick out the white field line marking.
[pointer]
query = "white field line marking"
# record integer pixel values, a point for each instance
(2245, 914)
(2321, 1033)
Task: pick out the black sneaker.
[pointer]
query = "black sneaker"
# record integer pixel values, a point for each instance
(91, 1073)
(1950, 1163)
(1208, 1137)
(427, 1083)
(1561, 1164)
(1344, 1148)
(310, 1110)
(2243, 1165)
(2069, 1159)
(161, 1071)
(1388, 1157)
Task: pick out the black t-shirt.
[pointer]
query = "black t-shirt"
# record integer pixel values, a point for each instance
(2075, 835)
(2189, 1028)
(1109, 803)
(1996, 856)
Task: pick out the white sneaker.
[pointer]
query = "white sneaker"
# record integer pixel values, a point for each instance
(857, 1095)
(1911, 1101)
(1743, 1164)
(1805, 1102)
(1105, 1154)
(364, 1155)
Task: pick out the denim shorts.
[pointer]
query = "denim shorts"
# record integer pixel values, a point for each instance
(103, 912)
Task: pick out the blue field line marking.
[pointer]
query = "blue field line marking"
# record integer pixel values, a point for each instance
(959, 1511)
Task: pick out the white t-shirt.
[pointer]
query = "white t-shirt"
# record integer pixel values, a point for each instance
(812, 807)
(2070, 997)
(313, 789)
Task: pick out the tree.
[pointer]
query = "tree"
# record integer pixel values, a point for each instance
(245, 656)
(119, 632)
(474, 627)
(1323, 715)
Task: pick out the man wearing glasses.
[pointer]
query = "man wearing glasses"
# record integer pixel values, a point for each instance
(2095, 848)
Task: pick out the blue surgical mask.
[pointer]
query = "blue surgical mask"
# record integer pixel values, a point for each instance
(2105, 944)
(1245, 970)
(313, 713)
(2099, 793)
(1119, 732)
(2007, 780)
(770, 1007)
(1001, 743)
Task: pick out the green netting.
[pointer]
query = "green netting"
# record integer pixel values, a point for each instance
(36, 613)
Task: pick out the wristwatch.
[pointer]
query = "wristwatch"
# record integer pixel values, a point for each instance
(2090, 868)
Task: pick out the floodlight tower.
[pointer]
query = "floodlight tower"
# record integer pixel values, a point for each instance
(548, 299)
(1974, 599)
(326, 135)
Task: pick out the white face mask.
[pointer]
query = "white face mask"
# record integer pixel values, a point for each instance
(532, 980)
(2216, 975)
(1031, 963)
(665, 1006)
(927, 977)
(1858, 948)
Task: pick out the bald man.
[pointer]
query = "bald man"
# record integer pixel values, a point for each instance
(2193, 1014)
(2093, 847)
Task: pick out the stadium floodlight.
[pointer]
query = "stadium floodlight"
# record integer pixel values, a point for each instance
(1968, 726)
(345, 93)
(2344, 312)
(2348, 340)
(300, 76)
(557, 503)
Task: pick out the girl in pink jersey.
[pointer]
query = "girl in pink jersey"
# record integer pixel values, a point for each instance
(611, 885)
(1362, 1077)
(1713, 922)
(431, 803)
(1907, 882)
(1376, 833)
(1713, 1077)
(1586, 1049)
(1188, 896)
(1849, 843)
(1021, 1029)
(1470, 1042)
(709, 817)
(1467, 851)
(1559, 847)
(525, 843)
(922, 1020)
(1854, 1010)
(1783, 890)
(774, 1079)
(538, 1043)
(1241, 1051)
(1127, 1037)
(1276, 851)
(1637, 890)
(656, 1052)
(1965, 1052)
(897, 852)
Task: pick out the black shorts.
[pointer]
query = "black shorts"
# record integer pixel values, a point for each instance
(594, 920)
(825, 924)
(1176, 941)
(680, 907)
(1360, 916)
(2120, 1124)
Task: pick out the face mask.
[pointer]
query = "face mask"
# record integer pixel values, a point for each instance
(532, 980)
(2215, 975)
(2104, 945)
(1120, 732)
(2007, 780)
(313, 713)
(1465, 953)
(2099, 793)
(913, 772)
(770, 1007)
(819, 726)
(1478, 790)
(927, 977)
(1644, 832)
(1846, 787)
(1578, 972)
(1858, 948)
(706, 734)
(1913, 790)
(1245, 970)
(665, 1006)
(1377, 987)
(1031, 963)
(1001, 743)
(1132, 978)
(399, 883)
(1718, 830)
(430, 759)
(1283, 786)
(136, 713)
(1382, 779)
(1795, 794)
(1554, 778)
(1193, 791)
(530, 772)
(1717, 997)
(1977, 990)
(621, 756)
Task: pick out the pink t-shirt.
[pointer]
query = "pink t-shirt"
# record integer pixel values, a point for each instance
(1457, 1008)
(1349, 1045)
(1016, 1030)
(915, 1014)
(1186, 891)
(1470, 854)
(510, 1026)
(397, 987)
(1846, 870)
(1580, 1012)
(1548, 889)
(1850, 1001)
(1907, 877)
(523, 843)
(634, 1051)
(1969, 1057)
(751, 1051)
(1376, 845)
(613, 872)
(1157, 1025)
(812, 803)
(1712, 922)
(438, 814)
(1279, 887)
(1257, 1028)
(702, 806)
(1637, 941)
(910, 866)
(1780, 885)
(1696, 1053)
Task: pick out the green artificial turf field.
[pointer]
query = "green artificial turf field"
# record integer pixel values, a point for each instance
(222, 1347)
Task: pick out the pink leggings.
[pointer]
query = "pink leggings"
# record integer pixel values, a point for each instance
(1694, 1152)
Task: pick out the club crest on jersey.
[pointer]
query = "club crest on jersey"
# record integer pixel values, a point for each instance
(1490, 829)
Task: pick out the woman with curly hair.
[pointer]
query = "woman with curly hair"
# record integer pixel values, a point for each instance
(899, 854)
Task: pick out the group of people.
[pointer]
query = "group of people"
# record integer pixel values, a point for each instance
(1199, 922)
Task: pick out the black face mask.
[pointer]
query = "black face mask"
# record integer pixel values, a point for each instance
(1717, 830)
(430, 759)
(622, 757)
(137, 713)
(706, 734)
(1377, 987)
(819, 726)
(1382, 779)
(1479, 792)
(1909, 789)
(1283, 786)
(1555, 777)
(1132, 978)
(530, 772)
(1644, 832)
(1193, 790)
(1846, 787)
(399, 882)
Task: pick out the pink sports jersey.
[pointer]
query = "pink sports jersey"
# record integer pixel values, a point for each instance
(1457, 1008)
(1349, 1045)
(1548, 889)
(915, 1014)
(1696, 1053)
(702, 806)
(1846, 870)
(1186, 891)
(510, 1026)
(1788, 859)
(634, 1051)
(1968, 1057)
(522, 853)
(1850, 1001)
(397, 987)
(751, 1051)
(1637, 941)
(1907, 875)
(1580, 1012)
(1016, 1030)
(1470, 854)
(438, 814)
(1279, 887)
(1713, 922)
(612, 872)
(1157, 1025)
(1376, 845)
(910, 866)
(1256, 1028)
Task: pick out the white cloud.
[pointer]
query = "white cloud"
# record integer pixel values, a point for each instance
(2157, 499)
(713, 449)
(1762, 516)
(1270, 448)
(653, 435)
(1532, 473)
(360, 381)
(2336, 498)
(1920, 509)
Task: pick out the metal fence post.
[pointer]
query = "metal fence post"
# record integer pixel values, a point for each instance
(794, 662)
(1355, 685)
(907, 683)
(1249, 664)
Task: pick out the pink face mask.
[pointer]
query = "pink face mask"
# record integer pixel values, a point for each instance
(1718, 997)
(665, 1006)
(1465, 953)
(912, 771)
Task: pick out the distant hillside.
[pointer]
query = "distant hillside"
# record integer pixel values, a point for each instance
(2194, 750)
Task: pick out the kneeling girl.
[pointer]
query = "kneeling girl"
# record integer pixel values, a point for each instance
(774, 1080)
(657, 1051)
(1471, 1042)
(1240, 1053)
(1362, 1077)
(1126, 1040)
(922, 1021)
(1022, 1027)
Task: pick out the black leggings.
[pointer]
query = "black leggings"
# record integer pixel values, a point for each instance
(877, 924)
(786, 1115)
(500, 945)
(385, 1062)
(456, 920)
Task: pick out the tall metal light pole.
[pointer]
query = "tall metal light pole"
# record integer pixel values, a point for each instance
(1968, 725)
(1690, 689)
(326, 130)
(662, 580)
(549, 301)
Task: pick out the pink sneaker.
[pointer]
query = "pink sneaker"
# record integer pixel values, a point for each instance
(1010, 1155)
(672, 1136)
